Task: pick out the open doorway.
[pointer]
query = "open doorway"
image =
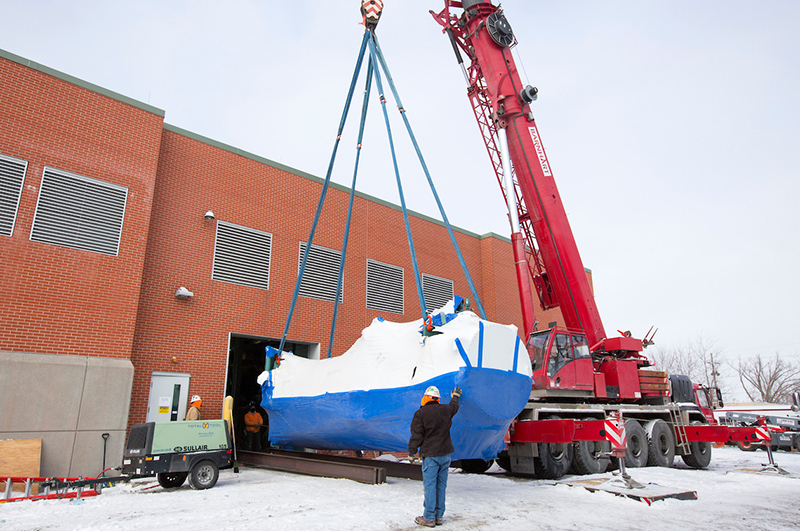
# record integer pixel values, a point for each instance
(246, 361)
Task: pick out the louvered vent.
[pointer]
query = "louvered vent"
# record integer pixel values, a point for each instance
(321, 274)
(12, 175)
(242, 255)
(437, 291)
(384, 287)
(79, 212)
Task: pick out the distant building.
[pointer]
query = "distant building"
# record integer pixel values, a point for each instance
(106, 213)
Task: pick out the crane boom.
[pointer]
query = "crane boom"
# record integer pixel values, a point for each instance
(485, 35)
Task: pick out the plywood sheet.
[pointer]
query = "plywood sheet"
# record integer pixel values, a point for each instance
(20, 458)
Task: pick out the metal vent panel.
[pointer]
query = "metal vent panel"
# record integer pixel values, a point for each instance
(242, 255)
(12, 177)
(321, 274)
(79, 212)
(437, 291)
(385, 287)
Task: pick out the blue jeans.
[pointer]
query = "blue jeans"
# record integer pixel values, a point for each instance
(434, 478)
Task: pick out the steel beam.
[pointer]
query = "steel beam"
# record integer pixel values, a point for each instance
(315, 467)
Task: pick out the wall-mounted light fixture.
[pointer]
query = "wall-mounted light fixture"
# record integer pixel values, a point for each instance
(209, 215)
(183, 293)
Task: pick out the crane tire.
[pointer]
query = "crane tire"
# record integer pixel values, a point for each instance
(554, 459)
(636, 455)
(661, 444)
(590, 457)
(503, 460)
(701, 454)
(747, 446)
(475, 466)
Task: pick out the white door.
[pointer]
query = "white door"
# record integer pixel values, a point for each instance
(169, 392)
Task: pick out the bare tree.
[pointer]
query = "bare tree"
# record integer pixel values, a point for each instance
(697, 359)
(769, 380)
(677, 360)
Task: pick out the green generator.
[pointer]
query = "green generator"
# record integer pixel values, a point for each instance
(173, 451)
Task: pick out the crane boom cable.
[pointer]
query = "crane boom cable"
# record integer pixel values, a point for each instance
(373, 55)
(307, 251)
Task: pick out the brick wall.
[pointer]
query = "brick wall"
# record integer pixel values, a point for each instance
(59, 300)
(195, 176)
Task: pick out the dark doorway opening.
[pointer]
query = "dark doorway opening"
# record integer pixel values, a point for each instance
(246, 361)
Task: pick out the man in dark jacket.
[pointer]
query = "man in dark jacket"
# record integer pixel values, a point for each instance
(430, 433)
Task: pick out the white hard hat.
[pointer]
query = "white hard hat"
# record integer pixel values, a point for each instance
(195, 398)
(432, 391)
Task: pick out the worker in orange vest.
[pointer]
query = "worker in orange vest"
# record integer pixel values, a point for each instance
(252, 427)
(194, 410)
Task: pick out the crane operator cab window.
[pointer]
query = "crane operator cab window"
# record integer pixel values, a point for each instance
(560, 354)
(537, 346)
(580, 347)
(702, 399)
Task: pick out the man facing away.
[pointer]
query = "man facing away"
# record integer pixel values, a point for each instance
(430, 433)
(194, 410)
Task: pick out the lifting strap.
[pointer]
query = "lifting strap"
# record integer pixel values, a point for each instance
(376, 59)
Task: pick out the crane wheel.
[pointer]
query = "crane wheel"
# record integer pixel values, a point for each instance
(661, 443)
(590, 457)
(747, 446)
(637, 453)
(475, 466)
(701, 454)
(554, 459)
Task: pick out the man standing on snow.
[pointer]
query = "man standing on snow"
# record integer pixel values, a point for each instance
(430, 433)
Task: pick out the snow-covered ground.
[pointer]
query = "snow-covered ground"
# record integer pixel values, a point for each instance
(261, 499)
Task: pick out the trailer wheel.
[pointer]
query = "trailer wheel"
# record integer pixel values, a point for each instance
(701, 454)
(170, 480)
(747, 446)
(636, 454)
(204, 475)
(590, 457)
(797, 442)
(661, 443)
(554, 459)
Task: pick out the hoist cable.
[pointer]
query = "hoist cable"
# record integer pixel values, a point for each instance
(376, 49)
(364, 107)
(379, 83)
(324, 190)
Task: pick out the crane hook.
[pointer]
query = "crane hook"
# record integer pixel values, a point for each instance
(371, 12)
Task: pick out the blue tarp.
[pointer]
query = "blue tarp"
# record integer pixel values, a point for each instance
(380, 419)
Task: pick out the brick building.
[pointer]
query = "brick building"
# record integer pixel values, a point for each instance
(105, 212)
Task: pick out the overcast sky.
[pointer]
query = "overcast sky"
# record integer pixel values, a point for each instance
(671, 128)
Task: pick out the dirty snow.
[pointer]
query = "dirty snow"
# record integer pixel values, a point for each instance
(727, 500)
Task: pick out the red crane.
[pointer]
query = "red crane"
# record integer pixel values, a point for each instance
(580, 376)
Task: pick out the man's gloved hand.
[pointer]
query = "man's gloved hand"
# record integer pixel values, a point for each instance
(456, 392)
(412, 459)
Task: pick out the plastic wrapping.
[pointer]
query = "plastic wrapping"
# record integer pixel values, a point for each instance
(366, 398)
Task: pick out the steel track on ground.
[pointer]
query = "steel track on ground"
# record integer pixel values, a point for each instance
(369, 471)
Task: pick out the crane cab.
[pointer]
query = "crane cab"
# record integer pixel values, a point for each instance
(561, 363)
